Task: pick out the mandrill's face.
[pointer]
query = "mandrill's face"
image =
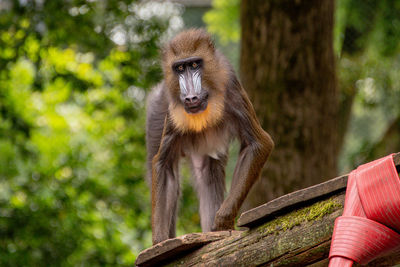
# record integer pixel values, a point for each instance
(193, 95)
(195, 81)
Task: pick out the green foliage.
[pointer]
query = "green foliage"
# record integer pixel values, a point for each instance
(369, 66)
(223, 20)
(73, 76)
(380, 32)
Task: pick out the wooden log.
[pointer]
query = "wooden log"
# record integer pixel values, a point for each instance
(294, 230)
(298, 238)
(171, 248)
(261, 213)
(284, 203)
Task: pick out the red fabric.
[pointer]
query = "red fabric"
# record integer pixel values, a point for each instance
(371, 215)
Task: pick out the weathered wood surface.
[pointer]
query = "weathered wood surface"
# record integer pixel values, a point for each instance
(171, 248)
(261, 213)
(294, 230)
(300, 237)
(284, 203)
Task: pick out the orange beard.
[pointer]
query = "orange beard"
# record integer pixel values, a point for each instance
(188, 122)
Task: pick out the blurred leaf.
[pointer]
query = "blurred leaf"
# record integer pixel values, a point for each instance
(223, 20)
(72, 150)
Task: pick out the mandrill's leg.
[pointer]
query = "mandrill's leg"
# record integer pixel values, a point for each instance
(165, 187)
(165, 196)
(174, 199)
(210, 185)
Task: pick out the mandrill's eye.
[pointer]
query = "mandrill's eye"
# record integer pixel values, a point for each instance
(195, 65)
(180, 68)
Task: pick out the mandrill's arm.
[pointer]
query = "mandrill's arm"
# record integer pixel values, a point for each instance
(256, 146)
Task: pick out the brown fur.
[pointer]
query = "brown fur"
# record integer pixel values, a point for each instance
(203, 137)
(195, 43)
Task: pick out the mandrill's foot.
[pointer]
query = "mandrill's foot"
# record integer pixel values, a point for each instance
(156, 241)
(159, 238)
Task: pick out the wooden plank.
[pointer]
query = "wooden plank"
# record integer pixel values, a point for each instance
(261, 213)
(298, 238)
(171, 248)
(266, 211)
(294, 230)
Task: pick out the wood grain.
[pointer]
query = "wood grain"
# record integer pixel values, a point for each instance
(261, 213)
(293, 230)
(170, 248)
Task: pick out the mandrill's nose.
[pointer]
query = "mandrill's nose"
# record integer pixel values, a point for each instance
(192, 100)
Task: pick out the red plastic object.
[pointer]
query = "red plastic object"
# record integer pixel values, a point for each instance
(371, 215)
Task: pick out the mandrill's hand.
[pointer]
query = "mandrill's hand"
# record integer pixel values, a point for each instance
(223, 221)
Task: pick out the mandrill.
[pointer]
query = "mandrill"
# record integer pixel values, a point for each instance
(195, 112)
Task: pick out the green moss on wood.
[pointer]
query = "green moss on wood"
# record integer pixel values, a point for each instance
(311, 213)
(276, 242)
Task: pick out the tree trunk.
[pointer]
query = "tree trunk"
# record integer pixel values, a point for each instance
(288, 68)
